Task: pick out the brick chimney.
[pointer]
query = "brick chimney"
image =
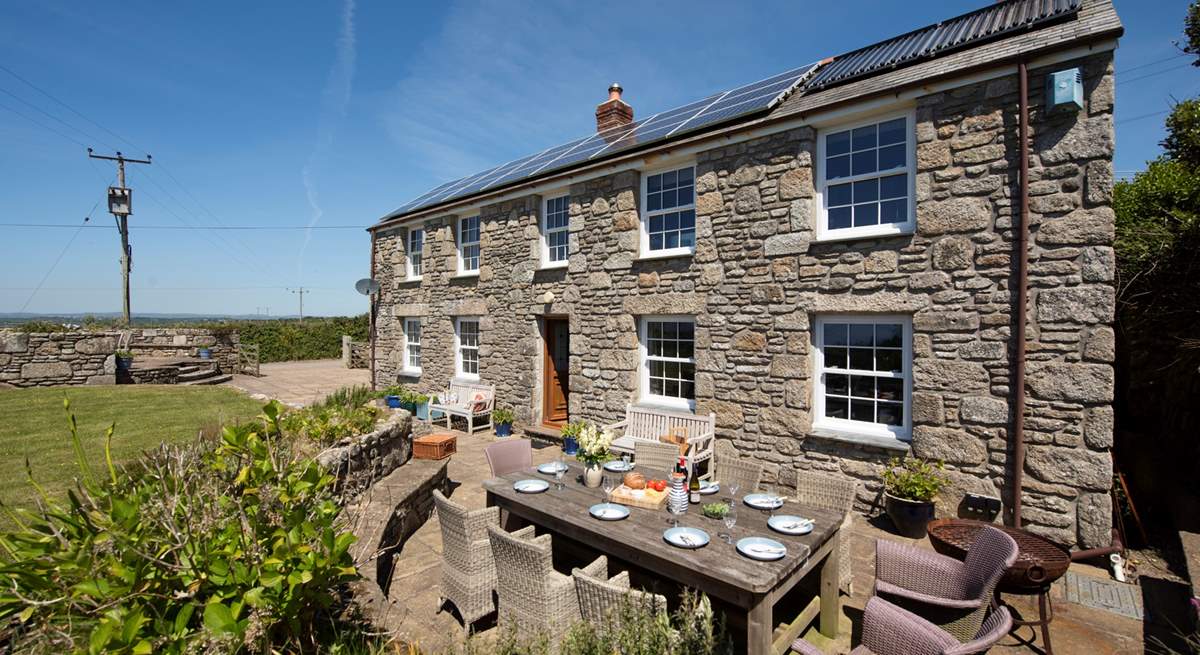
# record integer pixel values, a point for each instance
(613, 112)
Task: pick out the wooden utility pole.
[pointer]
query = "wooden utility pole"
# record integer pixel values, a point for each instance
(301, 291)
(120, 205)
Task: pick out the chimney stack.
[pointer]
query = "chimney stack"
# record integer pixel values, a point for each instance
(613, 112)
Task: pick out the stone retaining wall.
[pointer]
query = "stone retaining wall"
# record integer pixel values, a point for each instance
(760, 277)
(72, 358)
(361, 461)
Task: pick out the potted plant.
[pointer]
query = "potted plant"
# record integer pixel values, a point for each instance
(503, 418)
(394, 396)
(124, 360)
(593, 451)
(204, 353)
(421, 404)
(910, 486)
(570, 436)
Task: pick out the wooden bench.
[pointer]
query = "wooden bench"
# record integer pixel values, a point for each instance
(469, 400)
(650, 424)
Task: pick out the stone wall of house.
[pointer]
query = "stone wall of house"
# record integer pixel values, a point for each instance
(759, 277)
(70, 358)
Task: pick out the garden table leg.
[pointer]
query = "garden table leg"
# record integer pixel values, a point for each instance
(760, 624)
(830, 594)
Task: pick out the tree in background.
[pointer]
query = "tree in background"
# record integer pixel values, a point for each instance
(1158, 313)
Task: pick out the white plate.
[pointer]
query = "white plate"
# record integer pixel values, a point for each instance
(764, 501)
(761, 548)
(531, 486)
(618, 466)
(550, 468)
(686, 537)
(708, 488)
(609, 511)
(788, 524)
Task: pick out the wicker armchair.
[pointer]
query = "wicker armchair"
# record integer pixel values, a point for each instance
(533, 596)
(468, 568)
(656, 455)
(509, 456)
(951, 594)
(890, 630)
(731, 468)
(829, 492)
(601, 598)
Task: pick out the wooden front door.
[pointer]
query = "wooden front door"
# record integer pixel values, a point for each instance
(556, 334)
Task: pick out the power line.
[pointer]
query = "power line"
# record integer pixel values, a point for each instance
(198, 227)
(61, 254)
(1159, 72)
(44, 126)
(1153, 63)
(1138, 118)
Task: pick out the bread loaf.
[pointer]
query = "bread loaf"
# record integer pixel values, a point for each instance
(635, 480)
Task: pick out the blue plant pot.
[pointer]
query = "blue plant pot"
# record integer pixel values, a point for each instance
(392, 401)
(570, 446)
(423, 411)
(204, 353)
(503, 429)
(411, 407)
(124, 363)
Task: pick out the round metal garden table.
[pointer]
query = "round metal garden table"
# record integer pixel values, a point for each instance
(1039, 563)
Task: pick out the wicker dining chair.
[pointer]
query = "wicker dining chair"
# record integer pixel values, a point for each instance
(952, 594)
(835, 493)
(732, 468)
(509, 456)
(532, 595)
(657, 455)
(891, 630)
(601, 599)
(468, 568)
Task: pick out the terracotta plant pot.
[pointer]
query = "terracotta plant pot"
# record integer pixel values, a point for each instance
(911, 517)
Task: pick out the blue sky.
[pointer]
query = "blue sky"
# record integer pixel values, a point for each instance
(333, 113)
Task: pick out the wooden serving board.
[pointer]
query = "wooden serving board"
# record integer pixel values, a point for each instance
(645, 498)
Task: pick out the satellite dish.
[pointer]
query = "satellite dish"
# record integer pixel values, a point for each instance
(367, 286)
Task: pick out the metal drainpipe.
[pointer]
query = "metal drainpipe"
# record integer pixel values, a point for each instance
(371, 316)
(1022, 302)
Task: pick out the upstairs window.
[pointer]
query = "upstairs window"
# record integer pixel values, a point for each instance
(867, 179)
(468, 244)
(669, 212)
(864, 374)
(466, 348)
(412, 345)
(668, 367)
(555, 231)
(416, 244)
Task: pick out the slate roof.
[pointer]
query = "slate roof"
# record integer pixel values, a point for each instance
(987, 36)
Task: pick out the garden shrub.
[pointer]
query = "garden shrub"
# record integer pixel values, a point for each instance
(342, 414)
(229, 547)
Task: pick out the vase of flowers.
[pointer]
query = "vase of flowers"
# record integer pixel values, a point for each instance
(594, 445)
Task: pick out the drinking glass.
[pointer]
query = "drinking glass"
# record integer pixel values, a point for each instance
(769, 490)
(558, 477)
(625, 460)
(730, 521)
(606, 483)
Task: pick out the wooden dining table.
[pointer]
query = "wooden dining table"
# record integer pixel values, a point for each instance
(716, 569)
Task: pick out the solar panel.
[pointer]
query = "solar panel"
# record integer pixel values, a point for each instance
(717, 108)
(968, 29)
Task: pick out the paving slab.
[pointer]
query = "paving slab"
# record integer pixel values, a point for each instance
(300, 383)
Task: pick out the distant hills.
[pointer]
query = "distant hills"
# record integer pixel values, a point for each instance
(148, 318)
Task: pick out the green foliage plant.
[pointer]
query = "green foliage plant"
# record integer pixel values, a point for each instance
(503, 416)
(914, 479)
(233, 546)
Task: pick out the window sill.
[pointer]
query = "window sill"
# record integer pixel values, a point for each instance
(855, 234)
(465, 377)
(688, 406)
(666, 254)
(465, 275)
(410, 372)
(553, 266)
(411, 280)
(860, 439)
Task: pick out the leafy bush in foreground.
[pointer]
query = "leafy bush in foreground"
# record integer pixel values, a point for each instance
(231, 547)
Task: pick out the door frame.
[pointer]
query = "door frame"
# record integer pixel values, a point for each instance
(547, 366)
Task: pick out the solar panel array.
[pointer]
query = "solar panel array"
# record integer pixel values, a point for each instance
(715, 109)
(969, 29)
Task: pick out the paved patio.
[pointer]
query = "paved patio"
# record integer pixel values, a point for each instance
(415, 586)
(300, 383)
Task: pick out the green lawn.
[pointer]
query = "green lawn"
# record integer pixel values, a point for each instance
(34, 425)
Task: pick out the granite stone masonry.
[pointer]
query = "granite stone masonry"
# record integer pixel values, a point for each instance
(761, 276)
(69, 358)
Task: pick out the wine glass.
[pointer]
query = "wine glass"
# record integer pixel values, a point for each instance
(625, 461)
(558, 476)
(769, 490)
(730, 521)
(606, 483)
(734, 487)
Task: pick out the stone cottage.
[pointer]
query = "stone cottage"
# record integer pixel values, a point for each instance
(838, 264)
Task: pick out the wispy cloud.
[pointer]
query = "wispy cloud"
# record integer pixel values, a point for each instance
(335, 97)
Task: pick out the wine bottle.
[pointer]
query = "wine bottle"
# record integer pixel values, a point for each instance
(694, 489)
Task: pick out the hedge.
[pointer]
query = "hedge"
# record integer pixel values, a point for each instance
(289, 339)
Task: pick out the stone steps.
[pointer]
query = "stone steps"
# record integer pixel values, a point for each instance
(206, 376)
